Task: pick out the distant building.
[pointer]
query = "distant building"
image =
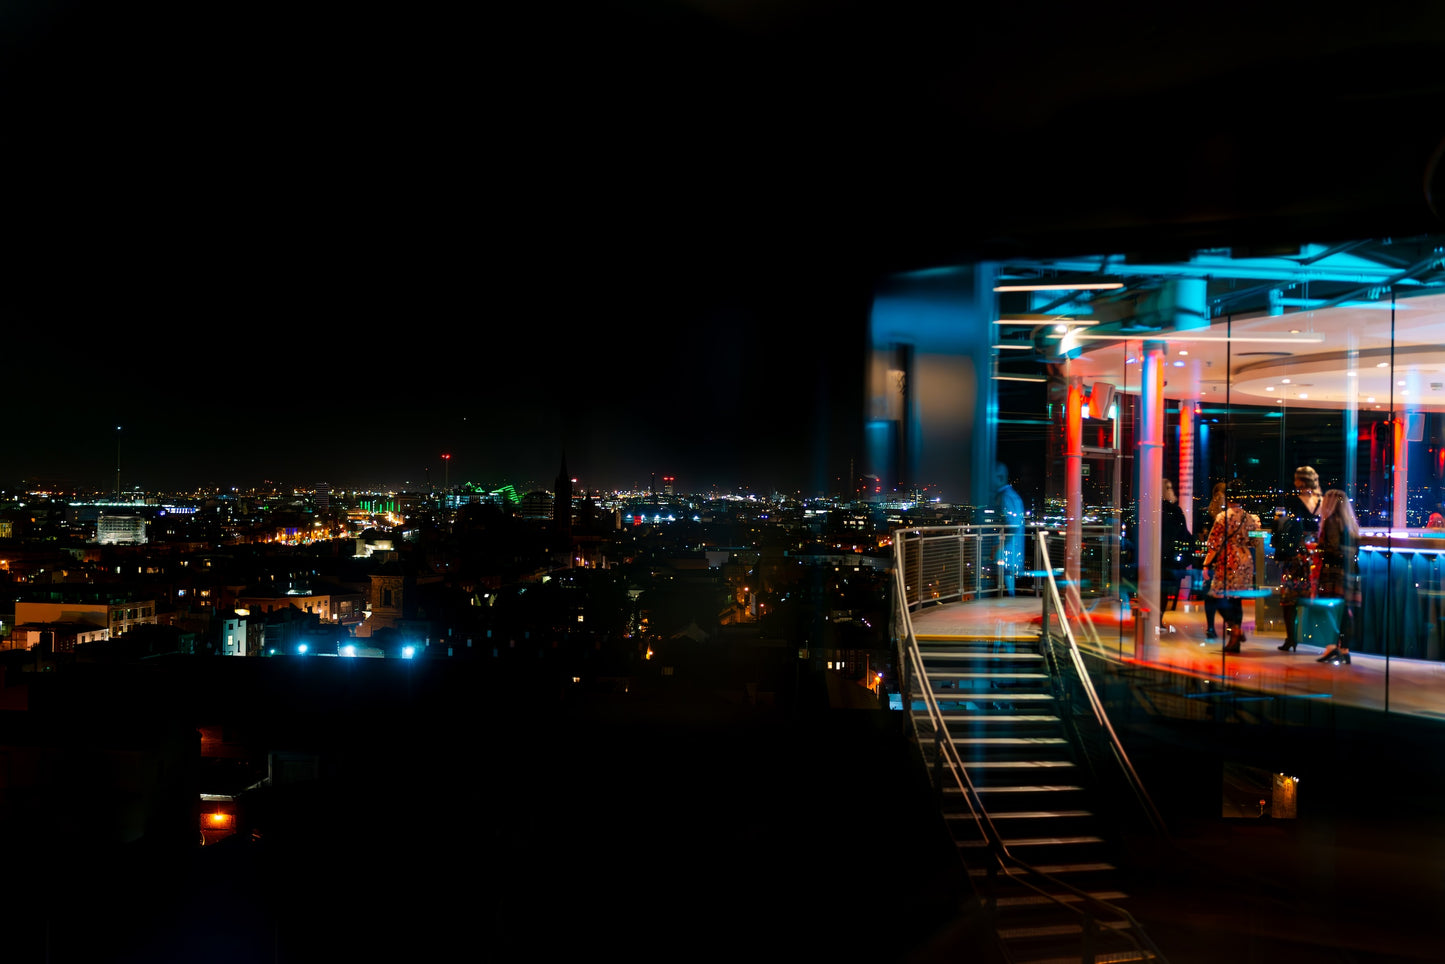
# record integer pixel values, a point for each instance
(233, 636)
(106, 619)
(115, 529)
(323, 497)
(57, 637)
(562, 503)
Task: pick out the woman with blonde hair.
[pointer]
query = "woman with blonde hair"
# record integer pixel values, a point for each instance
(1339, 576)
(1295, 528)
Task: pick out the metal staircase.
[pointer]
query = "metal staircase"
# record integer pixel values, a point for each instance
(1020, 769)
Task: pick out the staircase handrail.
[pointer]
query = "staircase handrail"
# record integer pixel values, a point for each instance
(911, 659)
(1096, 705)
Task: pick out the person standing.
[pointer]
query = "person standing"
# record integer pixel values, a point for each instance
(1339, 574)
(1296, 526)
(1010, 506)
(1175, 550)
(1211, 605)
(1231, 558)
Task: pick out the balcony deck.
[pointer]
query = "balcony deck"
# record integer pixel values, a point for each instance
(1415, 687)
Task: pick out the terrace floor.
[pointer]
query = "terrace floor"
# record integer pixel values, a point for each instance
(1415, 687)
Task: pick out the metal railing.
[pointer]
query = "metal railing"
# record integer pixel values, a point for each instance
(1072, 613)
(950, 563)
(920, 572)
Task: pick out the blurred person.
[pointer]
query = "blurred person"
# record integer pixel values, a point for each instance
(1211, 605)
(1296, 526)
(1339, 574)
(1175, 548)
(1230, 555)
(1011, 540)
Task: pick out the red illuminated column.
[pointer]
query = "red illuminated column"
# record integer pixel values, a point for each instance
(1185, 487)
(1074, 477)
(1401, 470)
(1151, 472)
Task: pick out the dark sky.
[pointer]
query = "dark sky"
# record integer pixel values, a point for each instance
(327, 241)
(332, 243)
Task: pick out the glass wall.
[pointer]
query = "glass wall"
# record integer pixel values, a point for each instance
(1223, 369)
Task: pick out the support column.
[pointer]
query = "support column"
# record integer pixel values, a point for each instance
(1151, 471)
(1074, 477)
(1185, 484)
(1408, 428)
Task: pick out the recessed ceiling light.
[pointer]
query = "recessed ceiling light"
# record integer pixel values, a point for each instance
(1183, 352)
(1383, 364)
(1351, 374)
(1304, 395)
(1284, 381)
(1294, 331)
(1370, 399)
(1269, 388)
(1401, 384)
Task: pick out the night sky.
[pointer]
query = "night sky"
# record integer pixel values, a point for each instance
(307, 242)
(332, 245)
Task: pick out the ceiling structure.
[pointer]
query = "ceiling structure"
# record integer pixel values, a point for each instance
(1350, 325)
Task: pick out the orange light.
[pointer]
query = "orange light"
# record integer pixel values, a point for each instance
(220, 819)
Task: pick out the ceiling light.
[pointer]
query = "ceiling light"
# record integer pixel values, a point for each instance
(1304, 395)
(1038, 320)
(1269, 388)
(1184, 352)
(1370, 399)
(1186, 339)
(1294, 331)
(1284, 381)
(1351, 374)
(1383, 364)
(1086, 286)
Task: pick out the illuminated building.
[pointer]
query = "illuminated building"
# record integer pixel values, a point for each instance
(113, 618)
(113, 529)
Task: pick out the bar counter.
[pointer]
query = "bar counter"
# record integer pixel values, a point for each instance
(1402, 588)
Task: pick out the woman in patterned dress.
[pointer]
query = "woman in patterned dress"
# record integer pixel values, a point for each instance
(1216, 506)
(1231, 558)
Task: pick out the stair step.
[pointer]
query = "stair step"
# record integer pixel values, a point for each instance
(1100, 957)
(1053, 870)
(968, 638)
(992, 696)
(1055, 930)
(1040, 900)
(954, 674)
(981, 655)
(998, 718)
(1008, 740)
(1036, 842)
(1029, 814)
(1011, 788)
(1012, 764)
